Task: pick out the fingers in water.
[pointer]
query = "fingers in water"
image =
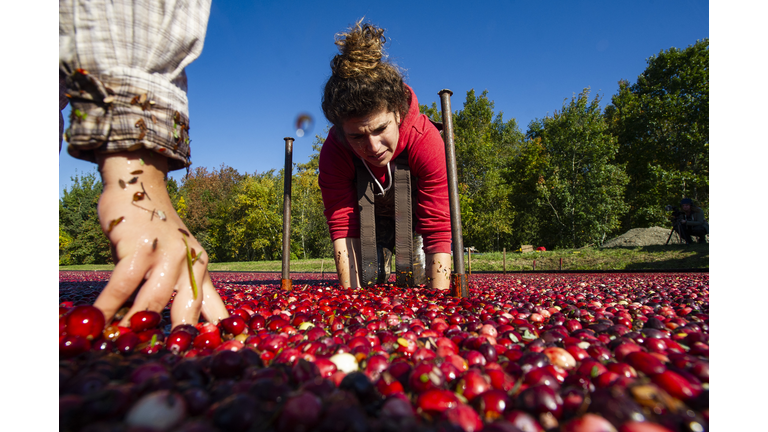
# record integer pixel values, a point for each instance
(186, 305)
(213, 308)
(122, 283)
(155, 292)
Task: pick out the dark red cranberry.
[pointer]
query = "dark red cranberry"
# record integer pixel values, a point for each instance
(144, 320)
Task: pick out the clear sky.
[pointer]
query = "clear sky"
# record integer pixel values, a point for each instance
(266, 62)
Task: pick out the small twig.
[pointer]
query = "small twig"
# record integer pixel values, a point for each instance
(191, 272)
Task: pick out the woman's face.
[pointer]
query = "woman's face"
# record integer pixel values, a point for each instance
(374, 137)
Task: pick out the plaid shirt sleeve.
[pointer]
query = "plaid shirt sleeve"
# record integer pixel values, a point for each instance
(123, 63)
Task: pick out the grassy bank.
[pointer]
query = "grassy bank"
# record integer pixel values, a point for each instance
(671, 257)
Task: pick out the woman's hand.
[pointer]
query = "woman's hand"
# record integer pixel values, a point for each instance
(151, 246)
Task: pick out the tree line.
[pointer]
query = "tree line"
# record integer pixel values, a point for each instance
(574, 178)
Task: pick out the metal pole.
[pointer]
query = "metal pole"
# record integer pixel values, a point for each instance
(287, 283)
(460, 286)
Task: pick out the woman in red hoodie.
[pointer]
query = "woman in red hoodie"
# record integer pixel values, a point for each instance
(376, 119)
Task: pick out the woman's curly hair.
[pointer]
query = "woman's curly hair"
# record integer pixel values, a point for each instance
(362, 82)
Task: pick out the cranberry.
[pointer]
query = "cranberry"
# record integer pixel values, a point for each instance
(234, 324)
(144, 320)
(491, 404)
(435, 401)
(85, 321)
(208, 340)
(645, 363)
(472, 384)
(73, 345)
(676, 385)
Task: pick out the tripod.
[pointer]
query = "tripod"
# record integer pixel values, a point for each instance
(674, 230)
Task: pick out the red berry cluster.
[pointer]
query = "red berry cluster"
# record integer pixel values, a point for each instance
(609, 352)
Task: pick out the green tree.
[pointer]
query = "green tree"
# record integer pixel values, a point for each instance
(523, 175)
(254, 226)
(204, 206)
(662, 125)
(485, 145)
(81, 240)
(581, 190)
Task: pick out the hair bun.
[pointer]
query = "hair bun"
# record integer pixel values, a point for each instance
(361, 51)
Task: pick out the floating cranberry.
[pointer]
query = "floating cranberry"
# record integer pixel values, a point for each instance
(472, 384)
(85, 321)
(179, 341)
(73, 345)
(491, 404)
(435, 401)
(208, 340)
(645, 363)
(127, 342)
(676, 385)
(588, 423)
(234, 324)
(144, 320)
(464, 417)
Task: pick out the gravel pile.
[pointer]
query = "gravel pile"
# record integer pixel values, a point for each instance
(642, 237)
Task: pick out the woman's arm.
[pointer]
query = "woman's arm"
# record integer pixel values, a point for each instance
(439, 270)
(348, 260)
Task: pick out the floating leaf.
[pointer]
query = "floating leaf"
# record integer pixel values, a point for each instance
(154, 244)
(141, 161)
(161, 215)
(183, 231)
(121, 183)
(138, 196)
(114, 223)
(133, 180)
(137, 172)
(189, 267)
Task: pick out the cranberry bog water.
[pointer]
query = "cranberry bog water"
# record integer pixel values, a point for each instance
(526, 352)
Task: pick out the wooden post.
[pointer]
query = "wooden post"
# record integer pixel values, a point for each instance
(286, 282)
(534, 265)
(460, 287)
(322, 270)
(561, 263)
(504, 261)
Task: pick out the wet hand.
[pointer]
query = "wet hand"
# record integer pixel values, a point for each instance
(154, 252)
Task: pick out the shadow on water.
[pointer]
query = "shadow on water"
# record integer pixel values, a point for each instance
(696, 257)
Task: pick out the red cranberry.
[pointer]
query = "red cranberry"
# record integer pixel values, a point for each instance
(144, 320)
(85, 321)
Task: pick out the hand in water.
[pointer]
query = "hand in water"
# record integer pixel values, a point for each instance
(148, 244)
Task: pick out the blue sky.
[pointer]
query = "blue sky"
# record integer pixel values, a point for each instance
(264, 63)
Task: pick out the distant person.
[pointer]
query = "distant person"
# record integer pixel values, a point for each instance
(691, 222)
(122, 65)
(377, 128)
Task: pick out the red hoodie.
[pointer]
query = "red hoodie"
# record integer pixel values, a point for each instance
(426, 158)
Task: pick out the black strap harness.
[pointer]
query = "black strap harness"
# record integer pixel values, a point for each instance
(376, 211)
